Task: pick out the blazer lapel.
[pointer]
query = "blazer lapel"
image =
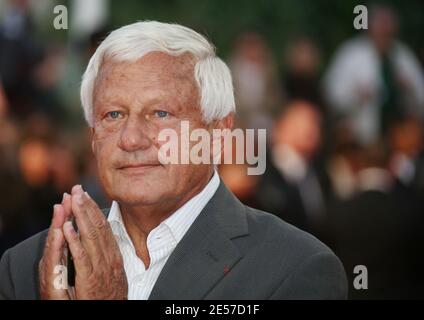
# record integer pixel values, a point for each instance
(206, 252)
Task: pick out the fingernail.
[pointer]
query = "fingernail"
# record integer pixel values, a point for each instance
(64, 196)
(76, 188)
(78, 199)
(86, 193)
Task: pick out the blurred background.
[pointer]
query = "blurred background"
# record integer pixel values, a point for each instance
(343, 109)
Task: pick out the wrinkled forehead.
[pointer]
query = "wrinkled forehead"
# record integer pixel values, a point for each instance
(156, 69)
(154, 63)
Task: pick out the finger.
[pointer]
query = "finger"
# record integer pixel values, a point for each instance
(58, 217)
(104, 235)
(89, 235)
(52, 253)
(67, 205)
(52, 286)
(83, 265)
(98, 220)
(56, 225)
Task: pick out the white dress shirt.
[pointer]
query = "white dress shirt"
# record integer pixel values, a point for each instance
(161, 241)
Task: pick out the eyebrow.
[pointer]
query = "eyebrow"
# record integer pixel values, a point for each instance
(146, 103)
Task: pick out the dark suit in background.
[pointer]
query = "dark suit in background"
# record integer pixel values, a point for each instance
(302, 204)
(384, 232)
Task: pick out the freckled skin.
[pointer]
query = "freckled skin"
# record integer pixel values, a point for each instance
(137, 90)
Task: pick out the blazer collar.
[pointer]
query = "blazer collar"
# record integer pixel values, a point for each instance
(206, 253)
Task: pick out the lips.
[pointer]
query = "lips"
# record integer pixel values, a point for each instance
(138, 166)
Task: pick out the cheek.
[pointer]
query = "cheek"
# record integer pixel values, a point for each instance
(104, 130)
(103, 150)
(104, 137)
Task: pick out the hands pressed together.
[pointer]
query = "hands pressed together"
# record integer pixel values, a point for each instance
(98, 262)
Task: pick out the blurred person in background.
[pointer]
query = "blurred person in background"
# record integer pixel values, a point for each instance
(236, 177)
(406, 163)
(46, 77)
(255, 80)
(13, 226)
(374, 78)
(29, 69)
(294, 186)
(381, 227)
(300, 79)
(48, 168)
(342, 163)
(19, 56)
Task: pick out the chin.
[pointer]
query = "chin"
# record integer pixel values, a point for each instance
(138, 196)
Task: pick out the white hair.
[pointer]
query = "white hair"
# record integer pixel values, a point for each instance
(132, 42)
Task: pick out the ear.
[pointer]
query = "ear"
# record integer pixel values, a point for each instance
(93, 149)
(217, 141)
(225, 123)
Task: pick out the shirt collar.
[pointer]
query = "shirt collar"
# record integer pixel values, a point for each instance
(179, 222)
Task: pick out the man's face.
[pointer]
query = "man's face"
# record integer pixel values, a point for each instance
(383, 29)
(133, 102)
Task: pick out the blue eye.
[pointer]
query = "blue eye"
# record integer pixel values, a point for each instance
(161, 113)
(114, 114)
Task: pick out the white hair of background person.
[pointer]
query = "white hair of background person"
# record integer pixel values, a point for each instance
(132, 42)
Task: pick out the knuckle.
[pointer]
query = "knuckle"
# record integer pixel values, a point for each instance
(117, 264)
(92, 234)
(47, 246)
(101, 224)
(81, 254)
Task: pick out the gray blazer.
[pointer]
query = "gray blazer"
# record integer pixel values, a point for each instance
(230, 252)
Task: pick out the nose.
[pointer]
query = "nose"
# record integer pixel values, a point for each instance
(133, 136)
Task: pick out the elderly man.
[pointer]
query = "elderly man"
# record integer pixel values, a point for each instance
(174, 231)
